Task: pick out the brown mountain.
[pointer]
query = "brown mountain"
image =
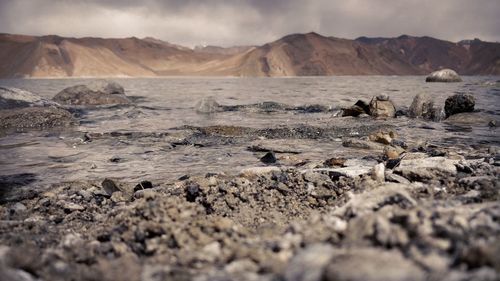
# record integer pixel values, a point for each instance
(293, 55)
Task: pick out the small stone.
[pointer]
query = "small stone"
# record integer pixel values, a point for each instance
(383, 97)
(378, 172)
(336, 161)
(18, 208)
(269, 158)
(109, 186)
(192, 192)
(70, 207)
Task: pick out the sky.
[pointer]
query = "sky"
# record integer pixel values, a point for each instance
(251, 22)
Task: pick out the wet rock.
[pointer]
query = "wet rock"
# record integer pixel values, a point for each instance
(381, 106)
(94, 93)
(360, 107)
(35, 117)
(423, 106)
(444, 75)
(208, 105)
(143, 185)
(459, 103)
(309, 264)
(372, 264)
(11, 98)
(268, 158)
(109, 186)
(426, 168)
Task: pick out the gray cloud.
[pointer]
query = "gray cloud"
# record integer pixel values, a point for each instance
(239, 22)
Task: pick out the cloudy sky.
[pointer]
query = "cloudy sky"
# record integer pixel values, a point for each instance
(242, 22)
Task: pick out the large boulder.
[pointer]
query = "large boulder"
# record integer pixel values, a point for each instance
(94, 93)
(382, 106)
(459, 103)
(20, 109)
(444, 75)
(11, 98)
(423, 106)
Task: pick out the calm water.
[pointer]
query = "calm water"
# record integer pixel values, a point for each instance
(168, 103)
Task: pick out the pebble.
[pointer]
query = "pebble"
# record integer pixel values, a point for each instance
(378, 172)
(109, 186)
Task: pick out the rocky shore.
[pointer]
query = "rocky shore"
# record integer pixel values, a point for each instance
(405, 210)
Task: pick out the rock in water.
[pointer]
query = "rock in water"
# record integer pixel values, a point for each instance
(35, 117)
(382, 106)
(360, 107)
(444, 75)
(94, 93)
(459, 103)
(423, 106)
(22, 109)
(11, 98)
(207, 105)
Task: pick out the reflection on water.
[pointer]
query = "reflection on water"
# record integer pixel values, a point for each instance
(141, 136)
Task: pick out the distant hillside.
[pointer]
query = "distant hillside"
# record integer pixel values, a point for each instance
(293, 55)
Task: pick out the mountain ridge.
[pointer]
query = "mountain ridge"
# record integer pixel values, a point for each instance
(299, 54)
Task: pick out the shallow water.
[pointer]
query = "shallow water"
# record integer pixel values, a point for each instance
(163, 105)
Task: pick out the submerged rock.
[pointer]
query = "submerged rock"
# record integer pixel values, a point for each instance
(208, 105)
(444, 75)
(459, 103)
(35, 117)
(471, 118)
(382, 106)
(94, 93)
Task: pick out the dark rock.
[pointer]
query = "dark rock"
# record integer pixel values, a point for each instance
(109, 186)
(360, 107)
(269, 158)
(94, 93)
(336, 161)
(192, 192)
(459, 103)
(143, 185)
(381, 106)
(444, 75)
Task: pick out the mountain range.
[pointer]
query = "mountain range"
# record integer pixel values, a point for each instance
(308, 54)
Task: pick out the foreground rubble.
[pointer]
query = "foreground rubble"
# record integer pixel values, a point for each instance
(427, 218)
